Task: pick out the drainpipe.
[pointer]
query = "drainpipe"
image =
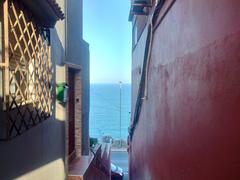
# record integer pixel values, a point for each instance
(142, 90)
(153, 20)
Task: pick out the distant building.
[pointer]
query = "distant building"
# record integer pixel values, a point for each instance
(42, 49)
(185, 90)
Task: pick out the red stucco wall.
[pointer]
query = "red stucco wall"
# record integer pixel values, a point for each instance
(190, 125)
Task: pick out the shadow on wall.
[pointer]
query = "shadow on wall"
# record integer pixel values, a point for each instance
(40, 150)
(32, 150)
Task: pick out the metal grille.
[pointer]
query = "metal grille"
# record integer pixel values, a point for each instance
(30, 72)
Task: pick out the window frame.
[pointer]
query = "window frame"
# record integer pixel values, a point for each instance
(28, 93)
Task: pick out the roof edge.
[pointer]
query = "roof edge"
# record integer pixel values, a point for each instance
(56, 8)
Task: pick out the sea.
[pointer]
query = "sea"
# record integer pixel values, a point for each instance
(106, 103)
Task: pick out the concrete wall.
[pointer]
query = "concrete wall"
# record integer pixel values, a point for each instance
(137, 63)
(77, 51)
(85, 63)
(36, 154)
(40, 152)
(189, 126)
(74, 31)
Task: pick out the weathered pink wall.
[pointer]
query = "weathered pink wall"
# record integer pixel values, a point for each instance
(190, 125)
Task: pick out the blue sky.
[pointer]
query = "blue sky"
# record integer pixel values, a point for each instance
(107, 30)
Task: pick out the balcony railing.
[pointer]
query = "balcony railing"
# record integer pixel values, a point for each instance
(95, 166)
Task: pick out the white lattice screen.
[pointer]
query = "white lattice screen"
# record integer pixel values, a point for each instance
(30, 71)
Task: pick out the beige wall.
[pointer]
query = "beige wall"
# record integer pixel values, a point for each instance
(52, 171)
(40, 152)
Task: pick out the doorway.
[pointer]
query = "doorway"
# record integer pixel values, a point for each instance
(71, 115)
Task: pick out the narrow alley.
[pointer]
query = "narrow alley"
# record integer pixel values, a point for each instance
(130, 89)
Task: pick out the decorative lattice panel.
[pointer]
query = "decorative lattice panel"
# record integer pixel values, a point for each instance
(30, 71)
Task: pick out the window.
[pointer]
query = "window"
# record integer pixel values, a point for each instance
(134, 36)
(138, 28)
(30, 71)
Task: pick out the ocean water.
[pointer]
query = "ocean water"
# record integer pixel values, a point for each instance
(105, 110)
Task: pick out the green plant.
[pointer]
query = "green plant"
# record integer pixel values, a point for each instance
(93, 142)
